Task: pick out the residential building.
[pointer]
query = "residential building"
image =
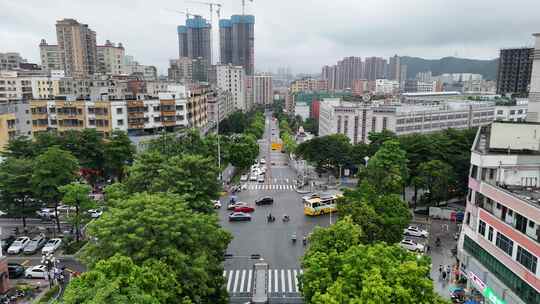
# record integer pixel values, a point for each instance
(512, 112)
(77, 48)
(533, 114)
(50, 56)
(424, 76)
(374, 68)
(180, 70)
(13, 87)
(11, 61)
(195, 39)
(403, 78)
(220, 105)
(431, 115)
(359, 87)
(232, 79)
(329, 75)
(146, 72)
(499, 244)
(308, 84)
(413, 86)
(14, 121)
(197, 109)
(514, 71)
(262, 89)
(110, 58)
(237, 37)
(348, 70)
(394, 68)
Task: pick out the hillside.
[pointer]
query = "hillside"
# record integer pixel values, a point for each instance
(488, 68)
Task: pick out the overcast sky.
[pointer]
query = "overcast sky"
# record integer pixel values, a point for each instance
(301, 34)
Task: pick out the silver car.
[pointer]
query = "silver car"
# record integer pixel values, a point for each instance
(35, 244)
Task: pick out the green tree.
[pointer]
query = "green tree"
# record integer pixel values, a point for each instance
(311, 125)
(243, 150)
(20, 147)
(16, 196)
(387, 170)
(326, 151)
(162, 227)
(377, 139)
(77, 195)
(339, 269)
(434, 176)
(144, 171)
(382, 217)
(119, 280)
(53, 169)
(118, 153)
(192, 176)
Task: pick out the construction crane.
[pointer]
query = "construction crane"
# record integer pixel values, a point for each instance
(244, 6)
(211, 5)
(186, 13)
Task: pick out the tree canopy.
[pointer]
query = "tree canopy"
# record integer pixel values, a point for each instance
(387, 170)
(326, 151)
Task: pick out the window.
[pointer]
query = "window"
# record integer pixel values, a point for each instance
(482, 228)
(490, 234)
(498, 206)
(119, 110)
(468, 218)
(526, 259)
(491, 173)
(474, 171)
(504, 243)
(120, 122)
(531, 224)
(512, 112)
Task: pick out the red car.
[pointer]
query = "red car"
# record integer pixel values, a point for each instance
(244, 209)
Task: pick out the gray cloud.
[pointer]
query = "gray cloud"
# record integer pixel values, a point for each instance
(302, 34)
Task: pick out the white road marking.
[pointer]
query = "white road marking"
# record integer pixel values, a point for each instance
(236, 280)
(283, 280)
(276, 287)
(296, 280)
(249, 281)
(269, 280)
(242, 282)
(289, 279)
(229, 281)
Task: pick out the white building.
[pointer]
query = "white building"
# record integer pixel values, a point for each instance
(232, 79)
(356, 120)
(149, 72)
(386, 87)
(263, 89)
(301, 109)
(517, 112)
(10, 61)
(110, 59)
(13, 87)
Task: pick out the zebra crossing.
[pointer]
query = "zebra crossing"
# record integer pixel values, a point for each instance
(274, 187)
(280, 281)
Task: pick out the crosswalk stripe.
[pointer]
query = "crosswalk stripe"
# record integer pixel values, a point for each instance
(229, 281)
(276, 288)
(283, 287)
(249, 281)
(289, 280)
(295, 280)
(242, 282)
(237, 274)
(269, 280)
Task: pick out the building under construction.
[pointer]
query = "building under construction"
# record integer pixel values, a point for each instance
(237, 41)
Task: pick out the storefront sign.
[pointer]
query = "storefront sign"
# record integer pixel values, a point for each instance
(487, 292)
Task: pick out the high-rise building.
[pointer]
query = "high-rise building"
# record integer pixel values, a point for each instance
(308, 85)
(514, 74)
(10, 61)
(262, 88)
(195, 39)
(533, 114)
(77, 48)
(374, 68)
(403, 75)
(394, 68)
(50, 56)
(232, 79)
(499, 245)
(424, 76)
(110, 58)
(329, 74)
(348, 69)
(237, 39)
(180, 70)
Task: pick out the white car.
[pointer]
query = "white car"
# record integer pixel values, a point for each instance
(262, 161)
(415, 231)
(260, 179)
(51, 246)
(18, 245)
(217, 204)
(244, 178)
(46, 212)
(411, 245)
(95, 213)
(66, 209)
(253, 177)
(36, 272)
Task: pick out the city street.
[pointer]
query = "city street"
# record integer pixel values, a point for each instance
(272, 241)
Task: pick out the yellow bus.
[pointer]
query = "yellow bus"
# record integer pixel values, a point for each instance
(317, 204)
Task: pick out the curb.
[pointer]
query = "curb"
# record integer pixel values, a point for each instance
(302, 191)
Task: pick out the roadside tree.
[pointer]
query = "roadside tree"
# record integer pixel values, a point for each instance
(77, 195)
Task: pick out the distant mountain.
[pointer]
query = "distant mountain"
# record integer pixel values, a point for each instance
(488, 68)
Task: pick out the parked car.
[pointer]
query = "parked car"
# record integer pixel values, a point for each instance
(260, 179)
(35, 244)
(15, 270)
(263, 161)
(232, 206)
(244, 209)
(424, 210)
(18, 245)
(7, 242)
(411, 245)
(244, 178)
(217, 204)
(266, 200)
(415, 231)
(51, 246)
(95, 213)
(239, 216)
(253, 177)
(36, 272)
(47, 213)
(66, 209)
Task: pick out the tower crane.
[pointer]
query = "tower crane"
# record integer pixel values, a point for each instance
(186, 13)
(244, 6)
(211, 5)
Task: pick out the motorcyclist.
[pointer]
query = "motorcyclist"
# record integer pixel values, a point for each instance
(286, 218)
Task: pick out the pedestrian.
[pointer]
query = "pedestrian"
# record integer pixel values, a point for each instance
(444, 275)
(440, 270)
(427, 248)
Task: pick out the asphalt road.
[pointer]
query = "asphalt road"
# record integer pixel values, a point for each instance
(272, 241)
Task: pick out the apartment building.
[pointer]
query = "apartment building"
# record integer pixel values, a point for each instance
(14, 121)
(221, 101)
(512, 112)
(499, 245)
(514, 71)
(308, 85)
(77, 48)
(197, 106)
(386, 87)
(50, 56)
(232, 79)
(11, 61)
(13, 87)
(237, 42)
(110, 58)
(357, 119)
(262, 89)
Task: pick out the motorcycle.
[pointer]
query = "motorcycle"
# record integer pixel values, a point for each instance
(286, 218)
(293, 238)
(438, 242)
(271, 218)
(304, 241)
